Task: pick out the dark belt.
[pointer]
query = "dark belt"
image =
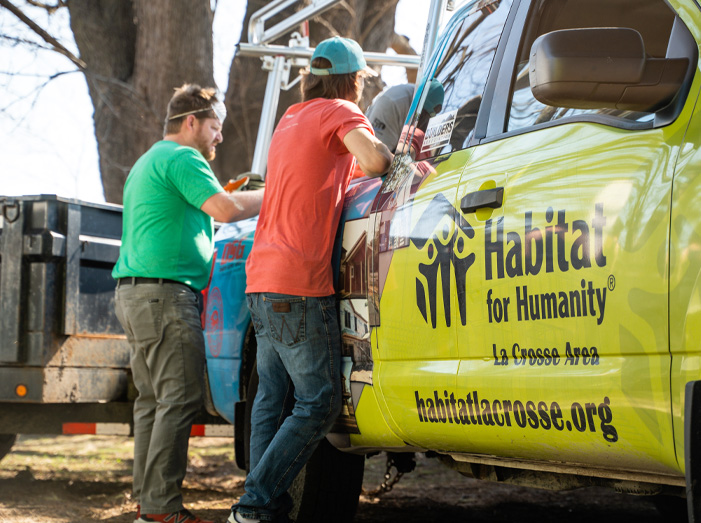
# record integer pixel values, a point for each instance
(138, 281)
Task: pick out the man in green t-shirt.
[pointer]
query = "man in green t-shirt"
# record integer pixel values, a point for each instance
(171, 198)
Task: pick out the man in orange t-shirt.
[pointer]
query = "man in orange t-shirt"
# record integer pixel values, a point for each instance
(289, 281)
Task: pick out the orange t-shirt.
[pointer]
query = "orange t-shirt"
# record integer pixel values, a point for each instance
(309, 169)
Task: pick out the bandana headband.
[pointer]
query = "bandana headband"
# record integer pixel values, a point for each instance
(218, 108)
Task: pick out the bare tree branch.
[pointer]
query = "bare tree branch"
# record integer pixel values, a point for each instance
(42, 77)
(56, 45)
(51, 9)
(99, 81)
(14, 41)
(32, 95)
(371, 25)
(400, 45)
(322, 21)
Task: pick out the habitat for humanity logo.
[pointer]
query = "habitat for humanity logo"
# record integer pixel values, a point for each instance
(442, 233)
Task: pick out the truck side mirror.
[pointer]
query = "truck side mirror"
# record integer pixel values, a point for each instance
(607, 67)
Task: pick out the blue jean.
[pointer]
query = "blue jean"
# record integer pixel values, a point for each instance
(298, 398)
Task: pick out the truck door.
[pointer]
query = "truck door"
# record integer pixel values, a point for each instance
(421, 238)
(563, 353)
(685, 266)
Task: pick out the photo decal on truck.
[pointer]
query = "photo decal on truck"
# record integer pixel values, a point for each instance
(439, 130)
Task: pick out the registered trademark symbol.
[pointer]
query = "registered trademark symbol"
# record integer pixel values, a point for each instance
(612, 282)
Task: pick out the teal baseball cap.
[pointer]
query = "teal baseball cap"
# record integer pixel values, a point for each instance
(434, 97)
(345, 55)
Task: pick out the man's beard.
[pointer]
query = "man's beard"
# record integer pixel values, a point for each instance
(209, 155)
(207, 151)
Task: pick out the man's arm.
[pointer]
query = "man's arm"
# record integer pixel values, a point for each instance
(414, 146)
(374, 158)
(232, 207)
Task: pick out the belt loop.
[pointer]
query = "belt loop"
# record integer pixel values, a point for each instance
(160, 282)
(133, 281)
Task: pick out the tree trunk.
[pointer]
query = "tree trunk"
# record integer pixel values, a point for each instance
(370, 22)
(136, 53)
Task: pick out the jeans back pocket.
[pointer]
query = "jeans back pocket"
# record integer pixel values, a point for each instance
(287, 319)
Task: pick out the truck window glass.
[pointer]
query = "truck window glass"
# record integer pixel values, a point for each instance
(654, 21)
(462, 71)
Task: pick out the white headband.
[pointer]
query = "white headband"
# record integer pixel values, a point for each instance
(218, 108)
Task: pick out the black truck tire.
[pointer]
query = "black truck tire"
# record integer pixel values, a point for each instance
(328, 487)
(6, 442)
(673, 508)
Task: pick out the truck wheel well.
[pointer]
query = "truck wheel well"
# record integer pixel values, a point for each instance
(6, 442)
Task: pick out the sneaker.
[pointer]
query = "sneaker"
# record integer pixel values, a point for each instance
(235, 517)
(181, 516)
(138, 514)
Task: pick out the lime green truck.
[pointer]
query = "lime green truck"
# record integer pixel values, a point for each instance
(520, 294)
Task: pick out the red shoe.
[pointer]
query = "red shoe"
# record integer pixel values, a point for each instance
(182, 516)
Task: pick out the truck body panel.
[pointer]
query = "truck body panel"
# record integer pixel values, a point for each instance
(525, 292)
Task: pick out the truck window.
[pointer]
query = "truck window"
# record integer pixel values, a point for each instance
(655, 22)
(462, 70)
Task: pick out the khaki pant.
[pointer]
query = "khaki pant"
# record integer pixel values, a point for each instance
(163, 327)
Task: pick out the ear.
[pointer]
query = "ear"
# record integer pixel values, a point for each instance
(189, 122)
(185, 124)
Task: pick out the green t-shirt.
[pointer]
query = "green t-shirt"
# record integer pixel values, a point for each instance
(165, 234)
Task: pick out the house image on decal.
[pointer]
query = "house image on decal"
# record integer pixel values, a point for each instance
(353, 269)
(355, 332)
(357, 355)
(353, 324)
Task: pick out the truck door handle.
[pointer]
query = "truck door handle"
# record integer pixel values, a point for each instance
(492, 198)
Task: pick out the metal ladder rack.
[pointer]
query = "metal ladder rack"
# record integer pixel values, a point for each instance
(278, 60)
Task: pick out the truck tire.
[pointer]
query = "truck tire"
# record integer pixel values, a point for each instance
(328, 487)
(6, 442)
(673, 508)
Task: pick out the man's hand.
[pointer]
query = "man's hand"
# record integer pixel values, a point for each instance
(255, 181)
(239, 184)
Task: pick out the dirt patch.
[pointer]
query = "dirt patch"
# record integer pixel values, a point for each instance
(88, 478)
